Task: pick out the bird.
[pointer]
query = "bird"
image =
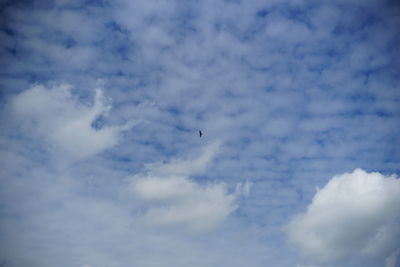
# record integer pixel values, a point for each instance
(200, 133)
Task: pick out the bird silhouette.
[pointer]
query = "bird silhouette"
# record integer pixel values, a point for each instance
(200, 133)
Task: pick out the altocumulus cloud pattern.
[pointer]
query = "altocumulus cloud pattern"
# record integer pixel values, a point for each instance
(102, 102)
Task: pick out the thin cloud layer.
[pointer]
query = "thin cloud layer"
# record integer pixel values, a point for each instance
(353, 214)
(64, 122)
(175, 199)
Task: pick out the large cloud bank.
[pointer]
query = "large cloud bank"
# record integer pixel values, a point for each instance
(355, 214)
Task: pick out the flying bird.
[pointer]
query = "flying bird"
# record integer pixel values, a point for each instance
(200, 133)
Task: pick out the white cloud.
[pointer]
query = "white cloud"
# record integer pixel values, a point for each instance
(177, 200)
(198, 207)
(353, 215)
(243, 188)
(278, 127)
(287, 30)
(325, 19)
(185, 167)
(391, 261)
(65, 123)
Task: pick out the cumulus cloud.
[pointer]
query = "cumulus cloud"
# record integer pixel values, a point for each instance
(64, 122)
(175, 199)
(355, 214)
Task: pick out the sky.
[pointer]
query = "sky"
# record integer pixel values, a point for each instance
(102, 165)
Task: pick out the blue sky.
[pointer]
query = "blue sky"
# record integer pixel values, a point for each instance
(102, 165)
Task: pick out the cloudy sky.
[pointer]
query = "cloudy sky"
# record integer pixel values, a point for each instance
(102, 166)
